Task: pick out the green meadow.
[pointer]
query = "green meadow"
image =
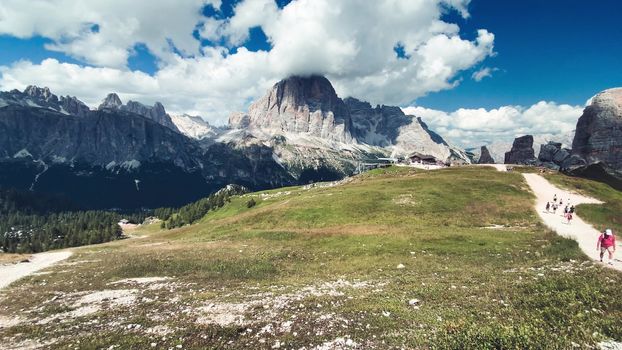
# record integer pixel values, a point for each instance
(393, 258)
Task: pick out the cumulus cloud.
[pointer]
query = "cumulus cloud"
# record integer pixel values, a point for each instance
(104, 32)
(351, 42)
(476, 127)
(482, 73)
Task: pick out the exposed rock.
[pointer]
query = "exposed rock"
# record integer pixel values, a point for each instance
(74, 106)
(485, 157)
(34, 96)
(97, 159)
(99, 138)
(389, 127)
(239, 120)
(551, 166)
(377, 126)
(561, 156)
(302, 105)
(598, 136)
(548, 151)
(42, 94)
(521, 152)
(111, 101)
(157, 113)
(194, 126)
(572, 162)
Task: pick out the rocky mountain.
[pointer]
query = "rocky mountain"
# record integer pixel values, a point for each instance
(132, 155)
(485, 157)
(309, 126)
(389, 127)
(598, 137)
(157, 113)
(297, 105)
(113, 157)
(194, 126)
(522, 151)
(36, 97)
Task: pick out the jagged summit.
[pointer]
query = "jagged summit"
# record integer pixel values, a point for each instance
(300, 105)
(34, 96)
(40, 93)
(301, 108)
(112, 101)
(156, 113)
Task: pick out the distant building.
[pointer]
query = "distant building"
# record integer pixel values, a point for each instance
(426, 159)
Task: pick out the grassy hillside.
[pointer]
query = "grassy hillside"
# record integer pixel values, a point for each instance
(442, 259)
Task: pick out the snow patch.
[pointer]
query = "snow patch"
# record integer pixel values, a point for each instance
(23, 154)
(58, 160)
(110, 166)
(31, 103)
(131, 164)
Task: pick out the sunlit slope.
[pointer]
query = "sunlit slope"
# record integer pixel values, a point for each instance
(397, 200)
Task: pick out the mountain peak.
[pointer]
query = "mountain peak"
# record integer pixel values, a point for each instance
(40, 93)
(301, 105)
(610, 98)
(111, 101)
(299, 90)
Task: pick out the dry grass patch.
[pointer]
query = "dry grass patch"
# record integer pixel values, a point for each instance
(8, 258)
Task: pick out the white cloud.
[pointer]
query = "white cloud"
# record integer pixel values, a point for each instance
(121, 25)
(351, 42)
(476, 127)
(482, 73)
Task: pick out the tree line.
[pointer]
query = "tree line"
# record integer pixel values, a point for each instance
(35, 222)
(193, 212)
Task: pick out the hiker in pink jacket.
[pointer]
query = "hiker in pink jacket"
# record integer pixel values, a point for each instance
(606, 243)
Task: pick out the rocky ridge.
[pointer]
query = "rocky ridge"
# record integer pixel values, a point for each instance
(598, 137)
(157, 113)
(194, 126)
(116, 157)
(299, 132)
(308, 125)
(36, 97)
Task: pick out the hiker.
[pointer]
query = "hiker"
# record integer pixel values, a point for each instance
(548, 206)
(555, 198)
(572, 209)
(568, 217)
(606, 243)
(554, 208)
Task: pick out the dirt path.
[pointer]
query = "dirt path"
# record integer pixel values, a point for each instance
(579, 230)
(11, 273)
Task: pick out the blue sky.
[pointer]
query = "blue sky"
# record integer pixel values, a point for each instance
(544, 58)
(560, 50)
